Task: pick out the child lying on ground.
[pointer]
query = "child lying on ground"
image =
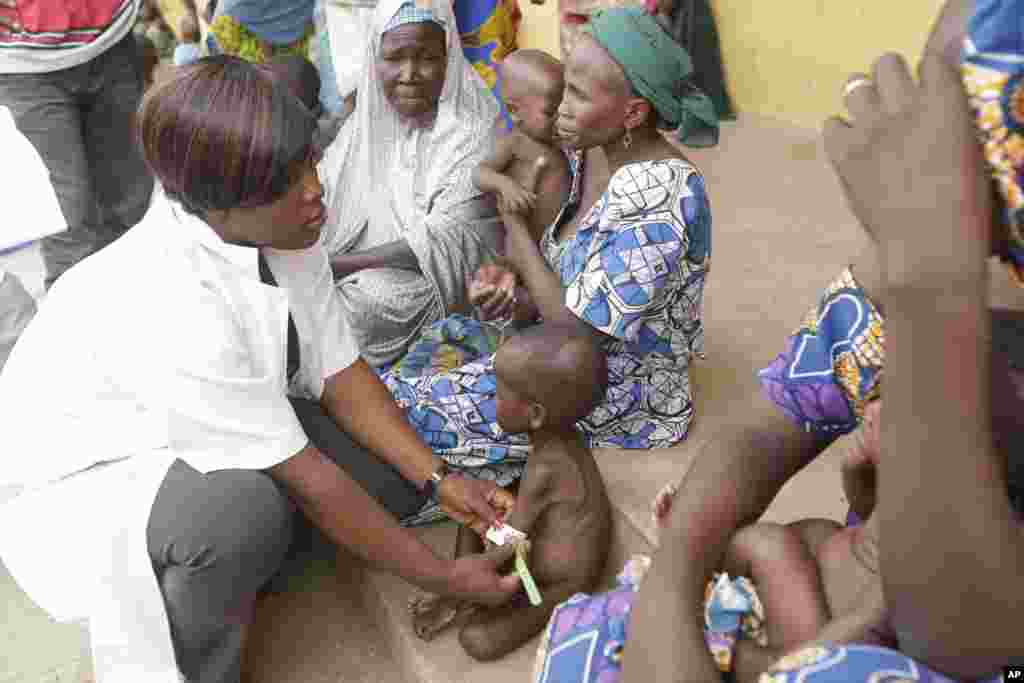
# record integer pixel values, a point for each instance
(532, 84)
(548, 377)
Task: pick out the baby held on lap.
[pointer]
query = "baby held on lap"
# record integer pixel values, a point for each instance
(784, 587)
(548, 377)
(527, 169)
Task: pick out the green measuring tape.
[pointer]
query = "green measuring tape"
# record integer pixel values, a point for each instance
(529, 584)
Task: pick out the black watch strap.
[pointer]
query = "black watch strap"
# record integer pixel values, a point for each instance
(430, 487)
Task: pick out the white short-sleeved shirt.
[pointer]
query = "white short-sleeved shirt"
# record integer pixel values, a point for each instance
(163, 345)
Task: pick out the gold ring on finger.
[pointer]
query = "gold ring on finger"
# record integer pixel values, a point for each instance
(856, 83)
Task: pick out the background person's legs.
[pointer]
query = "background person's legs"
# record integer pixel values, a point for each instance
(121, 180)
(214, 541)
(45, 110)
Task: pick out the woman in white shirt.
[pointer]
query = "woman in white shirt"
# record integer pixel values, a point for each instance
(146, 407)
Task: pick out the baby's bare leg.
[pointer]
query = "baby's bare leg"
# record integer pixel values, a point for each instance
(492, 633)
(780, 562)
(432, 614)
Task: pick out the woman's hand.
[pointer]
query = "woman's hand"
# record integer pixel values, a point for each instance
(474, 503)
(912, 170)
(492, 290)
(476, 578)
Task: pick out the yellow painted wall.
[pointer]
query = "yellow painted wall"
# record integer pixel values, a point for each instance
(789, 58)
(539, 28)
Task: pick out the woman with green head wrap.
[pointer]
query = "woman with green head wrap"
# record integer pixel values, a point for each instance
(632, 49)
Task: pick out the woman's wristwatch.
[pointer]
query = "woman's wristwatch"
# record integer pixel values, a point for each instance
(432, 485)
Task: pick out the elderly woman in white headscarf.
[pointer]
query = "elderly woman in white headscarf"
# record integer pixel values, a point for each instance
(406, 226)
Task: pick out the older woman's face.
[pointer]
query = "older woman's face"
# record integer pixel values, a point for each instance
(597, 94)
(411, 68)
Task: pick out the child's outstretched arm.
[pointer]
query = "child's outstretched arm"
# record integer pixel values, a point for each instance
(489, 176)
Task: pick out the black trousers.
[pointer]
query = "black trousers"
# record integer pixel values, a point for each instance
(215, 541)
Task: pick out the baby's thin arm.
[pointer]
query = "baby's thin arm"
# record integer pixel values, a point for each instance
(489, 175)
(533, 496)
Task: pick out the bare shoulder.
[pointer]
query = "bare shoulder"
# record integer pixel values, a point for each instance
(549, 466)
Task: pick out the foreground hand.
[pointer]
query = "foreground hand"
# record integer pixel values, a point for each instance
(476, 577)
(492, 290)
(474, 503)
(912, 169)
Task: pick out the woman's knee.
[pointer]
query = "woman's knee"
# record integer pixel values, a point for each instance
(261, 516)
(237, 520)
(229, 534)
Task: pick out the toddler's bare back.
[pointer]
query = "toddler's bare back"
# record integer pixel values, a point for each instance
(570, 539)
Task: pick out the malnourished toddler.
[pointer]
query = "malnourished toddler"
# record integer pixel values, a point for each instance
(548, 377)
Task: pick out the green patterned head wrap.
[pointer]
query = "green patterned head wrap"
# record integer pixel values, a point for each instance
(659, 70)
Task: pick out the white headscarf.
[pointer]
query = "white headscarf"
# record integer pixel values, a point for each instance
(385, 175)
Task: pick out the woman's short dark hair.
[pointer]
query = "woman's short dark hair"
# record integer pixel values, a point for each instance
(219, 135)
(298, 75)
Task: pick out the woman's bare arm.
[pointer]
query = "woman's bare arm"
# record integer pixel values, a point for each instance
(951, 553)
(397, 254)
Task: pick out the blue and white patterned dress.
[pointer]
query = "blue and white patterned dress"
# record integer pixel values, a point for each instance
(635, 270)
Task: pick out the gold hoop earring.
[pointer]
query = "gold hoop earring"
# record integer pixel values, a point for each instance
(627, 139)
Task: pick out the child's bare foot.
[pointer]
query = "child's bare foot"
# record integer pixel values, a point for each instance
(432, 614)
(662, 505)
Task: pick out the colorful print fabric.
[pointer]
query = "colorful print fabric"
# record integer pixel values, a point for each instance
(230, 37)
(586, 642)
(488, 29)
(732, 611)
(832, 366)
(993, 73)
(842, 664)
